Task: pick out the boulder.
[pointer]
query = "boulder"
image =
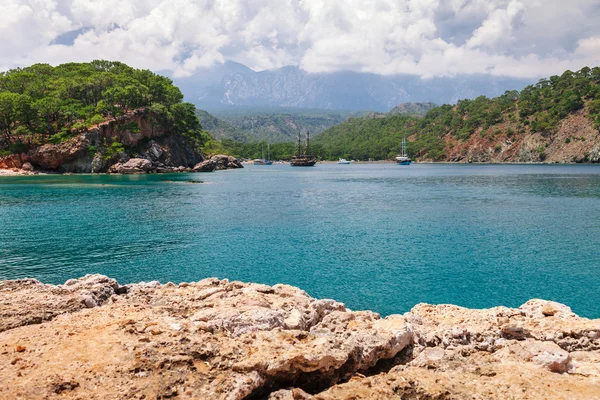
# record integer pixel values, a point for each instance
(12, 161)
(218, 162)
(133, 166)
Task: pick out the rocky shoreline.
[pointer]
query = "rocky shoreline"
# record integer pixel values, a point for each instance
(92, 338)
(133, 143)
(135, 166)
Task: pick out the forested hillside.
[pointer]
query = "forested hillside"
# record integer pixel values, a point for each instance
(101, 116)
(44, 104)
(556, 120)
(220, 129)
(416, 109)
(282, 126)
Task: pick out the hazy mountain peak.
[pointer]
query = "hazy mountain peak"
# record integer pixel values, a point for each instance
(233, 84)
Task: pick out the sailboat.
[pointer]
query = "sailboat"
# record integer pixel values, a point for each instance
(403, 158)
(303, 159)
(264, 161)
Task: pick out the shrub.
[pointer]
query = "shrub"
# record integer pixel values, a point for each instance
(95, 120)
(114, 149)
(18, 148)
(497, 147)
(79, 126)
(568, 140)
(61, 136)
(131, 126)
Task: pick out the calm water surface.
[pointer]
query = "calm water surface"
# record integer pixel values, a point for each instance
(379, 237)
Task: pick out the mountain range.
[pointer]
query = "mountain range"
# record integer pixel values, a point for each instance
(234, 86)
(258, 125)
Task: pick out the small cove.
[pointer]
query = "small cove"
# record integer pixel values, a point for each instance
(379, 237)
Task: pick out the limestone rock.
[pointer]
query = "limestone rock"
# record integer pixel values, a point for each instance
(216, 339)
(547, 354)
(28, 301)
(218, 162)
(133, 166)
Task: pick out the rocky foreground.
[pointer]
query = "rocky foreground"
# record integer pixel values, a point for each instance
(94, 339)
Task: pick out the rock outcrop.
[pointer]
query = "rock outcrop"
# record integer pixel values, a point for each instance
(574, 141)
(138, 131)
(214, 339)
(132, 166)
(149, 148)
(218, 162)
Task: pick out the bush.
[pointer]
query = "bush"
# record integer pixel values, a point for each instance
(79, 126)
(61, 136)
(568, 140)
(497, 147)
(114, 149)
(5, 153)
(131, 126)
(18, 148)
(95, 120)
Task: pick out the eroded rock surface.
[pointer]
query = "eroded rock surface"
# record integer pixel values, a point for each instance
(217, 163)
(132, 166)
(214, 339)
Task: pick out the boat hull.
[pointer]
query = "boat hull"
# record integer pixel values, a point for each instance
(403, 162)
(262, 162)
(303, 163)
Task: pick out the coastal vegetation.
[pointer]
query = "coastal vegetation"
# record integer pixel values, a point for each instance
(246, 135)
(516, 126)
(537, 110)
(45, 104)
(256, 125)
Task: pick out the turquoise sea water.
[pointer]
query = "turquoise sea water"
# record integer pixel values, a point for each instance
(379, 237)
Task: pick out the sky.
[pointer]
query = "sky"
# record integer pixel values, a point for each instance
(428, 38)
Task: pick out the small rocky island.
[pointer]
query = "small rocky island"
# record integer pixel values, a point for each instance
(92, 338)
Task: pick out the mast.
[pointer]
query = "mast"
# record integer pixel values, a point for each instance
(307, 142)
(299, 143)
(404, 146)
(268, 151)
(263, 151)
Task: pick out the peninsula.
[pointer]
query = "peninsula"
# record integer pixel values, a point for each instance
(100, 116)
(95, 339)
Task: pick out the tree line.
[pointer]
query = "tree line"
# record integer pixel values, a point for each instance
(538, 108)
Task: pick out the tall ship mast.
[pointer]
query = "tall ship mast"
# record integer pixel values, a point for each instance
(303, 158)
(263, 160)
(403, 158)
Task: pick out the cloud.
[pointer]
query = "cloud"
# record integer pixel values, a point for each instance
(519, 38)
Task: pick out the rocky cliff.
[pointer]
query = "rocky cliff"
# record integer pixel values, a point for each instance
(94, 339)
(575, 140)
(137, 134)
(134, 143)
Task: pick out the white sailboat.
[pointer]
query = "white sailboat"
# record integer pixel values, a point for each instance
(263, 160)
(403, 158)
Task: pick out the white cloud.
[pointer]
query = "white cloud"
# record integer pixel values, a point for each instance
(524, 38)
